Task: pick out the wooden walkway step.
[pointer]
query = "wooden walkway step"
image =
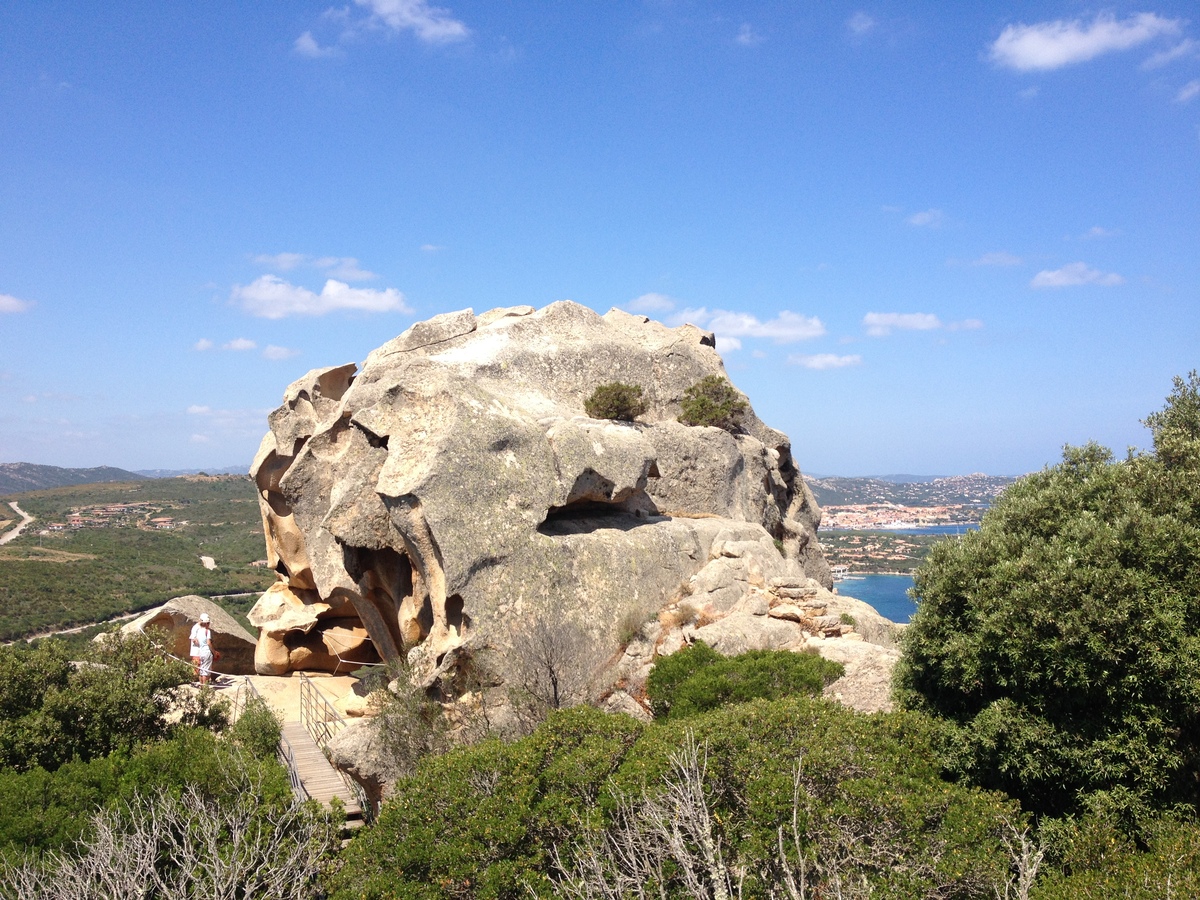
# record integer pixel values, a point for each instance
(319, 778)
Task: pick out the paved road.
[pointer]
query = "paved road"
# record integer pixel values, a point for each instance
(26, 518)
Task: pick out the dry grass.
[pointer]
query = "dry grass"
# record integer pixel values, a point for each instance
(43, 554)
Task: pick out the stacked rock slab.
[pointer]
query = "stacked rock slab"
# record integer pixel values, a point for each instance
(454, 489)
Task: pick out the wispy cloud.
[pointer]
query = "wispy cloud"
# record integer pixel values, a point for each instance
(240, 345)
(748, 37)
(929, 218)
(1073, 275)
(997, 258)
(1188, 92)
(306, 45)
(430, 24)
(270, 297)
(965, 325)
(197, 410)
(271, 351)
(860, 24)
(1052, 45)
(11, 304)
(883, 324)
(652, 303)
(1186, 48)
(344, 267)
(821, 361)
(1096, 232)
(432, 248)
(202, 345)
(787, 327)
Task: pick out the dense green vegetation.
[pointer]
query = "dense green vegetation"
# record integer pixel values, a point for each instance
(698, 679)
(615, 400)
(487, 821)
(105, 794)
(65, 578)
(713, 401)
(1062, 639)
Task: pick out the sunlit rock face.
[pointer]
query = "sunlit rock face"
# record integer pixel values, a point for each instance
(455, 489)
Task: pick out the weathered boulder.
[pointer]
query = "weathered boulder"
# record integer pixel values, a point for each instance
(175, 619)
(455, 485)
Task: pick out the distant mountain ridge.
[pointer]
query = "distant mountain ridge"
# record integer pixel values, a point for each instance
(975, 489)
(16, 478)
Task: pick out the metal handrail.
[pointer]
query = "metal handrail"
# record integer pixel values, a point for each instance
(323, 721)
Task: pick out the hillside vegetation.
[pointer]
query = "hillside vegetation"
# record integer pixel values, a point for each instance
(56, 579)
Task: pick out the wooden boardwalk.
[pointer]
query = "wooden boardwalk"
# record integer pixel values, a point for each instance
(319, 779)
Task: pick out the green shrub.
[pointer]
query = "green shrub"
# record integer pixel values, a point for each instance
(53, 710)
(713, 401)
(670, 672)
(704, 680)
(869, 806)
(1102, 864)
(615, 400)
(1062, 639)
(257, 730)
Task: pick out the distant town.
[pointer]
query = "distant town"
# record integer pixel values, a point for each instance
(863, 519)
(111, 515)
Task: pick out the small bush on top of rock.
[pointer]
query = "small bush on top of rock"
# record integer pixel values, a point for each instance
(615, 400)
(713, 401)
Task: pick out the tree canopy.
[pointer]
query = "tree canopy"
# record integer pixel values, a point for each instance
(1062, 639)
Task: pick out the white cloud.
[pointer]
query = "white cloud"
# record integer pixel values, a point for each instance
(195, 410)
(728, 344)
(1096, 232)
(1052, 45)
(882, 324)
(271, 351)
(306, 45)
(1186, 47)
(202, 345)
(431, 248)
(240, 344)
(11, 304)
(821, 361)
(652, 302)
(785, 328)
(748, 37)
(1073, 275)
(200, 439)
(860, 23)
(344, 267)
(1188, 92)
(270, 297)
(997, 258)
(430, 24)
(1029, 93)
(930, 218)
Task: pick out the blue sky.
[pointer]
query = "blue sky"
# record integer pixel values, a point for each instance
(931, 238)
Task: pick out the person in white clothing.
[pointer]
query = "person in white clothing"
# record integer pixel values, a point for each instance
(201, 649)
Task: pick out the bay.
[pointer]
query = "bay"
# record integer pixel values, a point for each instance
(887, 593)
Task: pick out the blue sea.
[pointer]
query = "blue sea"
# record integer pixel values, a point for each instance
(928, 529)
(887, 593)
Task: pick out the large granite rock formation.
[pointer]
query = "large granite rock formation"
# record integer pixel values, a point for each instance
(454, 490)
